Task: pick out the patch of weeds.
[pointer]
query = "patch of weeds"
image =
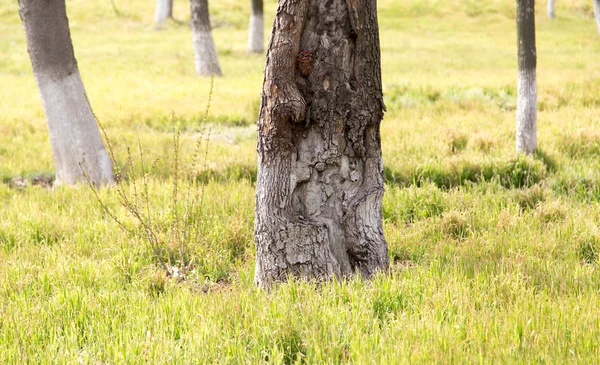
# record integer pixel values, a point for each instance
(455, 225)
(388, 302)
(43, 233)
(531, 197)
(157, 284)
(549, 160)
(588, 249)
(520, 172)
(457, 141)
(169, 234)
(413, 204)
(483, 142)
(290, 342)
(551, 212)
(585, 143)
(587, 189)
(506, 220)
(8, 241)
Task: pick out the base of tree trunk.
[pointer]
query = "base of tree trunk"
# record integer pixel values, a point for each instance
(205, 55)
(527, 112)
(74, 133)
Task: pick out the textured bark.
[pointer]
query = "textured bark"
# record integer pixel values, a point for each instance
(597, 13)
(320, 176)
(527, 92)
(205, 53)
(257, 24)
(163, 11)
(550, 9)
(74, 134)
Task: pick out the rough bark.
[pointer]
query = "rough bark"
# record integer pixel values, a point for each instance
(320, 176)
(163, 11)
(257, 25)
(550, 9)
(74, 134)
(527, 89)
(597, 13)
(205, 53)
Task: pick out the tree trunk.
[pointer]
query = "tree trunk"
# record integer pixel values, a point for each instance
(550, 9)
(74, 134)
(320, 172)
(527, 92)
(257, 24)
(597, 13)
(205, 54)
(163, 11)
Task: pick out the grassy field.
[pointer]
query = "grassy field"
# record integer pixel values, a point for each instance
(495, 257)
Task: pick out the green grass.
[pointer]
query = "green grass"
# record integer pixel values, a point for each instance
(495, 257)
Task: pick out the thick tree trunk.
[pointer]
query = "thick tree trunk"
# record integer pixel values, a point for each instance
(527, 89)
(320, 176)
(257, 25)
(550, 9)
(205, 54)
(163, 11)
(74, 134)
(597, 13)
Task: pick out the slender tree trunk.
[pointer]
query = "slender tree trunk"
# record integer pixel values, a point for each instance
(527, 89)
(205, 54)
(257, 25)
(74, 134)
(550, 9)
(597, 13)
(163, 11)
(320, 174)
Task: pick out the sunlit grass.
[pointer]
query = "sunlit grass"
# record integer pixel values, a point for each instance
(495, 257)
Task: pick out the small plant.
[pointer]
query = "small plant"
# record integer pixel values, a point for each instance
(169, 240)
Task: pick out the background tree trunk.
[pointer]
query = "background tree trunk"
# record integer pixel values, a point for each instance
(550, 9)
(74, 134)
(163, 11)
(257, 25)
(527, 89)
(597, 13)
(205, 53)
(320, 176)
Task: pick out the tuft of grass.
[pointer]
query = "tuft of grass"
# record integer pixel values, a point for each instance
(456, 225)
(551, 212)
(530, 198)
(589, 249)
(583, 144)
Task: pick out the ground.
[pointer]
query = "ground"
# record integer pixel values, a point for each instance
(495, 257)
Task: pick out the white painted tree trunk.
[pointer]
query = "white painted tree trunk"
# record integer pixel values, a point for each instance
(163, 11)
(550, 9)
(257, 25)
(205, 53)
(597, 13)
(74, 135)
(527, 112)
(256, 34)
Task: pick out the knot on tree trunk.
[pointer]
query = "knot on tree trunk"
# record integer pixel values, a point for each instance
(304, 63)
